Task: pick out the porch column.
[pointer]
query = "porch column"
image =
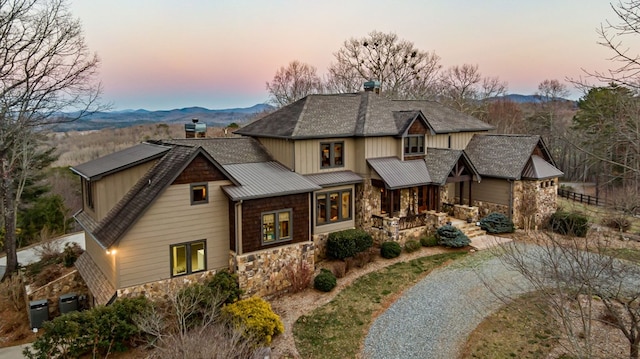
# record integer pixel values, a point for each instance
(470, 201)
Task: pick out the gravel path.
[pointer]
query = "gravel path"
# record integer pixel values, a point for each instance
(434, 318)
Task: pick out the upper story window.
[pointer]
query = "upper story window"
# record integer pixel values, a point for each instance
(331, 154)
(276, 226)
(333, 206)
(414, 145)
(199, 193)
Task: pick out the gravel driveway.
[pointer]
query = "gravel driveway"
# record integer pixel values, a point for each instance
(434, 318)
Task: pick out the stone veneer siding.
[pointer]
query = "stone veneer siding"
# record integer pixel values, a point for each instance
(261, 273)
(160, 288)
(69, 283)
(534, 202)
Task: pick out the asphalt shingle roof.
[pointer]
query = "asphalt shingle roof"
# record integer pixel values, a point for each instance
(229, 150)
(401, 174)
(103, 292)
(117, 161)
(440, 162)
(359, 114)
(502, 156)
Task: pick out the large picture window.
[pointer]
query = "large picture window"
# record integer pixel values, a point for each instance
(414, 145)
(333, 207)
(276, 226)
(331, 154)
(187, 258)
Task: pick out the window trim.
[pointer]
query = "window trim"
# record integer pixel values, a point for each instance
(88, 186)
(192, 186)
(327, 205)
(187, 246)
(276, 229)
(332, 159)
(407, 145)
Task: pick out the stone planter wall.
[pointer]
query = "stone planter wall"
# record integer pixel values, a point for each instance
(390, 231)
(484, 208)
(69, 283)
(464, 212)
(261, 273)
(161, 288)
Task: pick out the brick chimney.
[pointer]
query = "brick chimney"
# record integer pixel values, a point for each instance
(195, 129)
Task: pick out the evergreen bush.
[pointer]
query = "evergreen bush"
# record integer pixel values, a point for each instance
(429, 240)
(390, 249)
(325, 281)
(569, 223)
(412, 245)
(450, 236)
(256, 318)
(348, 243)
(497, 223)
(227, 285)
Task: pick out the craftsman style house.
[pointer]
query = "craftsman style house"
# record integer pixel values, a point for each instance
(183, 209)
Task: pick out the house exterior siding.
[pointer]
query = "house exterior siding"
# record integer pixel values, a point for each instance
(492, 190)
(459, 140)
(199, 170)
(282, 150)
(307, 155)
(100, 257)
(143, 253)
(252, 211)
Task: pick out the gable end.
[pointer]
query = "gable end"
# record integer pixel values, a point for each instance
(200, 170)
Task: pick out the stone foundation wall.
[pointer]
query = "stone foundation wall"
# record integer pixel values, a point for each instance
(320, 246)
(484, 208)
(464, 212)
(390, 231)
(261, 273)
(367, 203)
(69, 283)
(536, 201)
(160, 288)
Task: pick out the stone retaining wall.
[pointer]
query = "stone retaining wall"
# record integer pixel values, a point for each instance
(261, 273)
(69, 283)
(162, 287)
(390, 231)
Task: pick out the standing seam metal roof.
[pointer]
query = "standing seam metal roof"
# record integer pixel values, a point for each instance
(401, 174)
(330, 179)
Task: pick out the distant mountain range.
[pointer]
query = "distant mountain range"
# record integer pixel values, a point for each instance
(126, 118)
(523, 98)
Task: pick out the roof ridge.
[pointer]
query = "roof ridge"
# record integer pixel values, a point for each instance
(363, 112)
(301, 115)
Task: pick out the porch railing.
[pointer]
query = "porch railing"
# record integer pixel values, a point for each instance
(377, 221)
(412, 221)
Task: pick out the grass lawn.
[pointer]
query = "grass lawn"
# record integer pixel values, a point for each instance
(337, 329)
(596, 214)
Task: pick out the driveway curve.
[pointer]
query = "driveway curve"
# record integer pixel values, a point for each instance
(434, 318)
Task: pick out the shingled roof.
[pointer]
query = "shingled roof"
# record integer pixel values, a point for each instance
(441, 161)
(228, 151)
(505, 156)
(361, 115)
(102, 290)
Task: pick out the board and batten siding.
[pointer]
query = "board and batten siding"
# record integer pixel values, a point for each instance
(459, 140)
(493, 190)
(100, 257)
(143, 254)
(307, 155)
(280, 149)
(109, 190)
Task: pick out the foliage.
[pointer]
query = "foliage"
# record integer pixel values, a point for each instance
(390, 249)
(412, 245)
(429, 240)
(12, 290)
(450, 236)
(464, 88)
(618, 222)
(497, 223)
(294, 82)
(255, 316)
(339, 269)
(100, 330)
(47, 212)
(569, 223)
(325, 281)
(299, 273)
(70, 253)
(341, 245)
(227, 285)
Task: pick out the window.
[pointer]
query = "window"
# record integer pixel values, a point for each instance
(389, 201)
(414, 145)
(199, 193)
(88, 190)
(331, 154)
(333, 207)
(187, 258)
(276, 226)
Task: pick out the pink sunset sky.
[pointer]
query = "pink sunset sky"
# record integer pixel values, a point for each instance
(162, 54)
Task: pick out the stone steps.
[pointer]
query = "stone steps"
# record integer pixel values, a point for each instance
(471, 230)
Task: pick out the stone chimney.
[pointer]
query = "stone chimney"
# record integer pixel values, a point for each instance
(195, 129)
(372, 86)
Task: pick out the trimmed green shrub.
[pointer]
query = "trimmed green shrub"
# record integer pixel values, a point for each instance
(348, 243)
(227, 285)
(429, 241)
(450, 236)
(497, 223)
(325, 281)
(70, 253)
(412, 246)
(100, 330)
(390, 249)
(569, 223)
(256, 318)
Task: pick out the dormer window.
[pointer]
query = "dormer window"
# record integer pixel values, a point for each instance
(414, 145)
(331, 154)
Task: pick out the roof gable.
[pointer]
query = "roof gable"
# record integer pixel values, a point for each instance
(537, 168)
(441, 161)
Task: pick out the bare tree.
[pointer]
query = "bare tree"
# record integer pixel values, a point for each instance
(403, 70)
(45, 69)
(294, 82)
(464, 88)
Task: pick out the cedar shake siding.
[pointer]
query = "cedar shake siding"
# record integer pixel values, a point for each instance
(252, 220)
(417, 128)
(200, 170)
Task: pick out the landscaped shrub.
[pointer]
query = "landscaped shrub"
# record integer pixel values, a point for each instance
(429, 240)
(348, 243)
(362, 258)
(569, 223)
(618, 222)
(299, 273)
(100, 330)
(339, 269)
(412, 246)
(70, 253)
(450, 236)
(325, 281)
(255, 316)
(227, 285)
(390, 249)
(497, 223)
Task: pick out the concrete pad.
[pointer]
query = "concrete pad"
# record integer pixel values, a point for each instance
(488, 241)
(13, 352)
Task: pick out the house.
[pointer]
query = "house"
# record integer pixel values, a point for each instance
(180, 210)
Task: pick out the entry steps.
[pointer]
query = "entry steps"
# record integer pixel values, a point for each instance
(471, 230)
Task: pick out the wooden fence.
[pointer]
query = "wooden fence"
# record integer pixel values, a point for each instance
(582, 198)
